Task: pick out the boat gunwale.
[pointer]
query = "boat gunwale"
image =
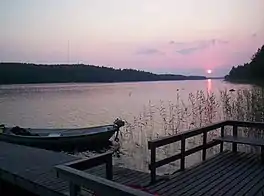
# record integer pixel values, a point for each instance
(114, 129)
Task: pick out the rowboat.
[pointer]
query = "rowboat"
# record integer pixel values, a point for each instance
(68, 140)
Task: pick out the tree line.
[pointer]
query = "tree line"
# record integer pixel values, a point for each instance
(22, 73)
(249, 72)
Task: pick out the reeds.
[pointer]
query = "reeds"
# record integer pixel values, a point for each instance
(200, 109)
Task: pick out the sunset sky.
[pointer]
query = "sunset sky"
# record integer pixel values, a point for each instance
(176, 36)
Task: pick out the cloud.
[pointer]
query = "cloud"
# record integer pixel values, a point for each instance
(222, 41)
(177, 43)
(149, 51)
(185, 48)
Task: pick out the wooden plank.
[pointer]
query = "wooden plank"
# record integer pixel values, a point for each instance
(152, 163)
(234, 144)
(186, 176)
(218, 181)
(187, 153)
(201, 147)
(182, 163)
(123, 175)
(97, 171)
(194, 183)
(93, 161)
(262, 153)
(259, 125)
(165, 161)
(35, 175)
(254, 186)
(246, 183)
(231, 182)
(205, 167)
(138, 178)
(242, 140)
(74, 189)
(109, 168)
(191, 170)
(31, 186)
(260, 193)
(204, 144)
(222, 133)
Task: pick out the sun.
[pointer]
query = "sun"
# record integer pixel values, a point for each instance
(209, 71)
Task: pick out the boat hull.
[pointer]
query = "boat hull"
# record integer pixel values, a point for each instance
(68, 143)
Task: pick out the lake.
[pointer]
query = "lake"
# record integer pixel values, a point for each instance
(144, 106)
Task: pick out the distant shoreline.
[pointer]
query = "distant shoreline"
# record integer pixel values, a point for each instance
(109, 82)
(22, 73)
(246, 81)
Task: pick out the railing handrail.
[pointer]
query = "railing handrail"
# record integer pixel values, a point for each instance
(187, 134)
(245, 124)
(86, 163)
(82, 164)
(190, 133)
(97, 184)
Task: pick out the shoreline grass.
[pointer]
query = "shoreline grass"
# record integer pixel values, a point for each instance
(200, 109)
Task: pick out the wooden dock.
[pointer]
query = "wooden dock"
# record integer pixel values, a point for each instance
(43, 172)
(33, 169)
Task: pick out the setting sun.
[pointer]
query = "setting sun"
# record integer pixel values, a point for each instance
(209, 71)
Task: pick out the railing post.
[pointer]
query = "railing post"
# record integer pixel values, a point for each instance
(222, 135)
(74, 189)
(204, 145)
(152, 163)
(109, 168)
(234, 145)
(182, 152)
(262, 154)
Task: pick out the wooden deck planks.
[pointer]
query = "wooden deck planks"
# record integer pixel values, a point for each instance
(231, 182)
(135, 178)
(203, 186)
(196, 182)
(229, 174)
(180, 175)
(123, 175)
(33, 169)
(253, 185)
(182, 178)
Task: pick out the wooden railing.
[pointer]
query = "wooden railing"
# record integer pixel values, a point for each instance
(73, 173)
(154, 144)
(236, 124)
(259, 125)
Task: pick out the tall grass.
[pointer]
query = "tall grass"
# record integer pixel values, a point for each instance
(200, 109)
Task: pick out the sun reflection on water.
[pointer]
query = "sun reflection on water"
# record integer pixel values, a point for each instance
(209, 85)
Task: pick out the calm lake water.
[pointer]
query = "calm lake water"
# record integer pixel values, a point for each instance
(82, 105)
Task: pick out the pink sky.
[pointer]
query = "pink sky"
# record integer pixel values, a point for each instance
(176, 36)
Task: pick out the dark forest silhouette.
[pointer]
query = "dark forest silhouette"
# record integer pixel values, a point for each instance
(249, 72)
(22, 73)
